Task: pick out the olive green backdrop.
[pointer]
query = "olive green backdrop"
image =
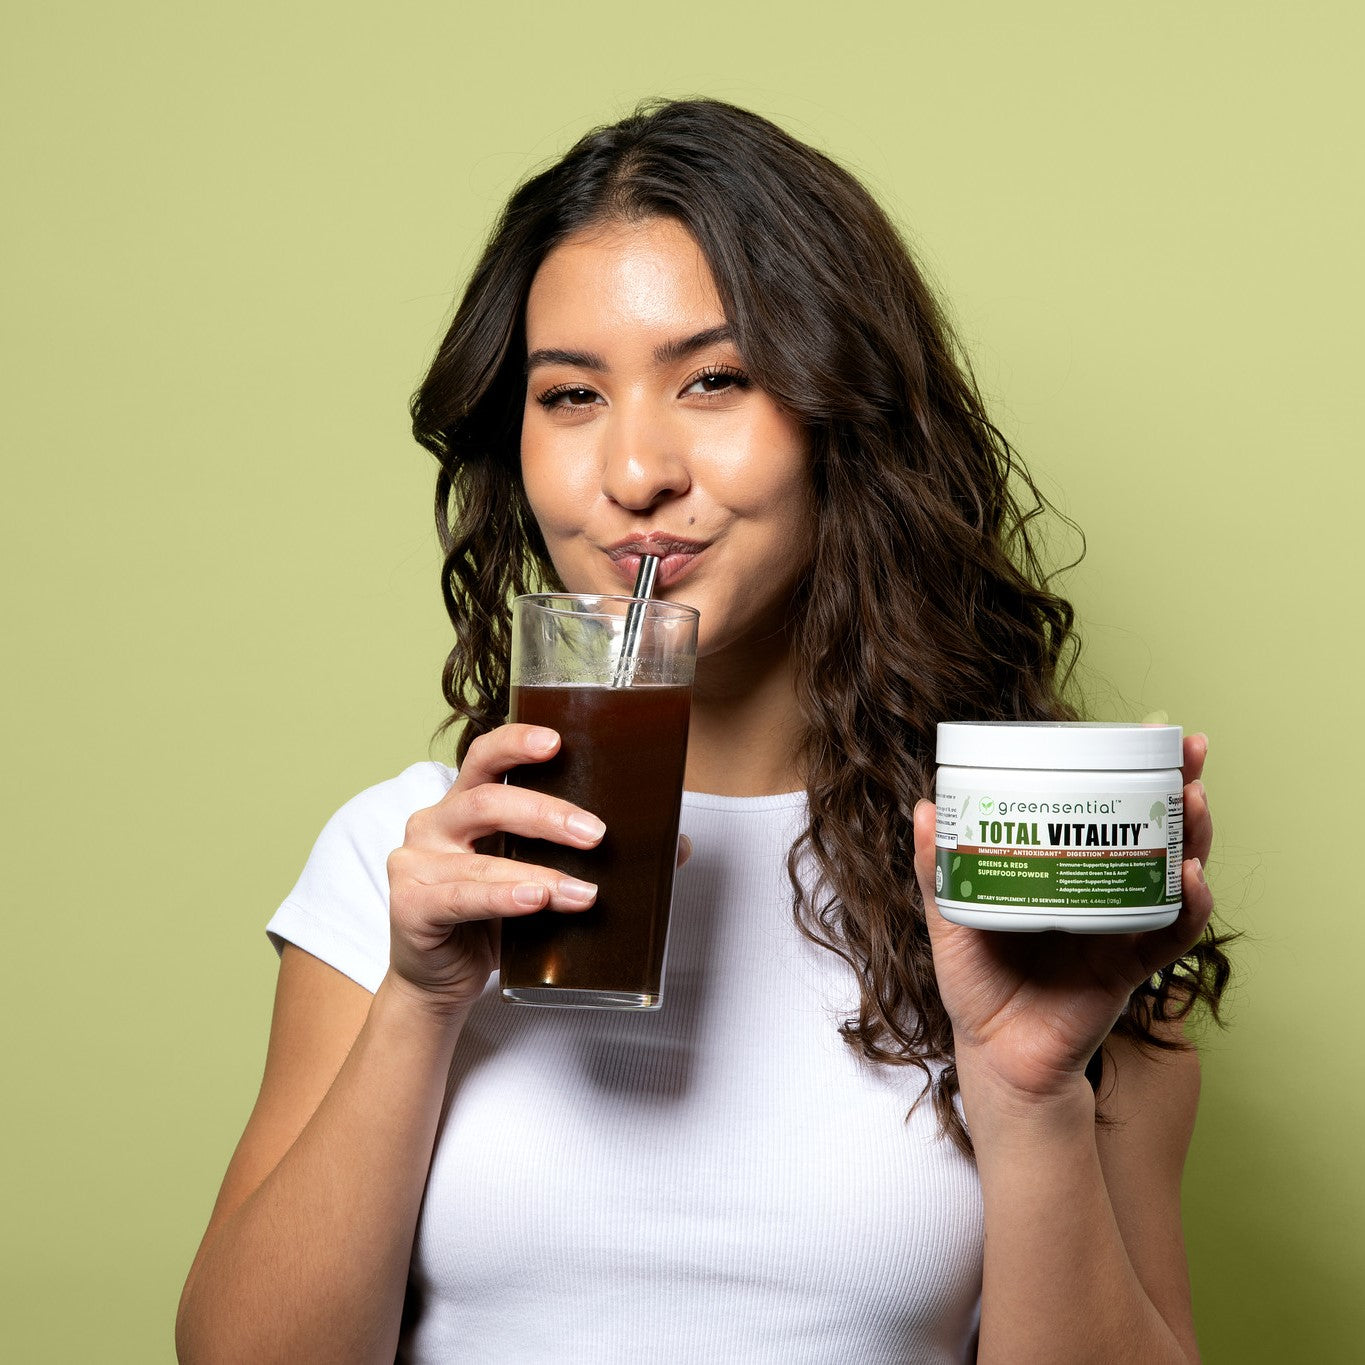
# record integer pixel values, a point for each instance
(231, 239)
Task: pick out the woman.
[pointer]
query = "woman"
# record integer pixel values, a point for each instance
(696, 335)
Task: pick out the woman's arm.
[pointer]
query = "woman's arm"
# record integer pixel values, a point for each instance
(307, 1252)
(1085, 1258)
(1084, 1255)
(306, 1255)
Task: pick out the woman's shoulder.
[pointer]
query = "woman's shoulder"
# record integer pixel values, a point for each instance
(417, 786)
(370, 825)
(338, 908)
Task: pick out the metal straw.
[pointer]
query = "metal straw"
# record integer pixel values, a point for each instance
(629, 656)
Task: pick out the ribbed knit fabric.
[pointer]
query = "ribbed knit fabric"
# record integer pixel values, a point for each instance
(722, 1181)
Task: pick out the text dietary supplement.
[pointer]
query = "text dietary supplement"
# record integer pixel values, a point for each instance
(1059, 825)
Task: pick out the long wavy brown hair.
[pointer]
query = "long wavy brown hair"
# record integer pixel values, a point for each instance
(926, 598)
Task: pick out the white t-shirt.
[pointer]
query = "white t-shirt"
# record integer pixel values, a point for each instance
(721, 1181)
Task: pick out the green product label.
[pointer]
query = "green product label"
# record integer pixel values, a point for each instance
(1068, 881)
(1079, 852)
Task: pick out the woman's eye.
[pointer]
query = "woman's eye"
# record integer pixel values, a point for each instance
(717, 381)
(567, 396)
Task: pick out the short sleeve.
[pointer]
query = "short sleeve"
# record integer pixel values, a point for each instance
(339, 908)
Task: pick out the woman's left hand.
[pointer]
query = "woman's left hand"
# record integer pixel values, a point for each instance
(1032, 1008)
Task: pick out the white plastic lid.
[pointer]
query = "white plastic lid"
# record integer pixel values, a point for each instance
(1083, 746)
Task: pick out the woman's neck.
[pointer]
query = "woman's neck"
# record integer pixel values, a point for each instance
(746, 727)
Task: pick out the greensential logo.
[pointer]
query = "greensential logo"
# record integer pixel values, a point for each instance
(1004, 808)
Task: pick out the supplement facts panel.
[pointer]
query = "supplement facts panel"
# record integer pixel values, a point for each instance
(1175, 843)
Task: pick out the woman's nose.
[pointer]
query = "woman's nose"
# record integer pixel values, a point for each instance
(644, 461)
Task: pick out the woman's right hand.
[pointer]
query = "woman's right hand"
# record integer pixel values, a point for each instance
(447, 901)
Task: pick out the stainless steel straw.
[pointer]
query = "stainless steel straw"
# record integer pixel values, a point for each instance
(629, 656)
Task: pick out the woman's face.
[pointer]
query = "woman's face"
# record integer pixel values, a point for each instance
(643, 433)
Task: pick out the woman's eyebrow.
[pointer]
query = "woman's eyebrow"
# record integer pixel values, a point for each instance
(553, 355)
(666, 353)
(672, 351)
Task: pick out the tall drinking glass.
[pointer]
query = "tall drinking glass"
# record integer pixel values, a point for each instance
(613, 675)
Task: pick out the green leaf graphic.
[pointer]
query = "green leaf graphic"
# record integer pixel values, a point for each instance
(1157, 815)
(986, 803)
(957, 862)
(964, 889)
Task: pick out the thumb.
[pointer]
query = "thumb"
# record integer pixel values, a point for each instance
(926, 855)
(925, 818)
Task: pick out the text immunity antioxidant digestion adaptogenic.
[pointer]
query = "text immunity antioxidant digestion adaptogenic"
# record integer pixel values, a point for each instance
(1059, 826)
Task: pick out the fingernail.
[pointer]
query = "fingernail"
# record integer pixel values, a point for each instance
(576, 892)
(531, 894)
(1199, 871)
(541, 741)
(585, 826)
(1203, 792)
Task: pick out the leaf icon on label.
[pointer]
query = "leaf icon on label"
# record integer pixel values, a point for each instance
(986, 803)
(1157, 814)
(957, 862)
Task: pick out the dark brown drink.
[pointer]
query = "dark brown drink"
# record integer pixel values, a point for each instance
(621, 757)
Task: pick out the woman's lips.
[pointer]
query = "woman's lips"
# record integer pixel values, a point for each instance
(676, 561)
